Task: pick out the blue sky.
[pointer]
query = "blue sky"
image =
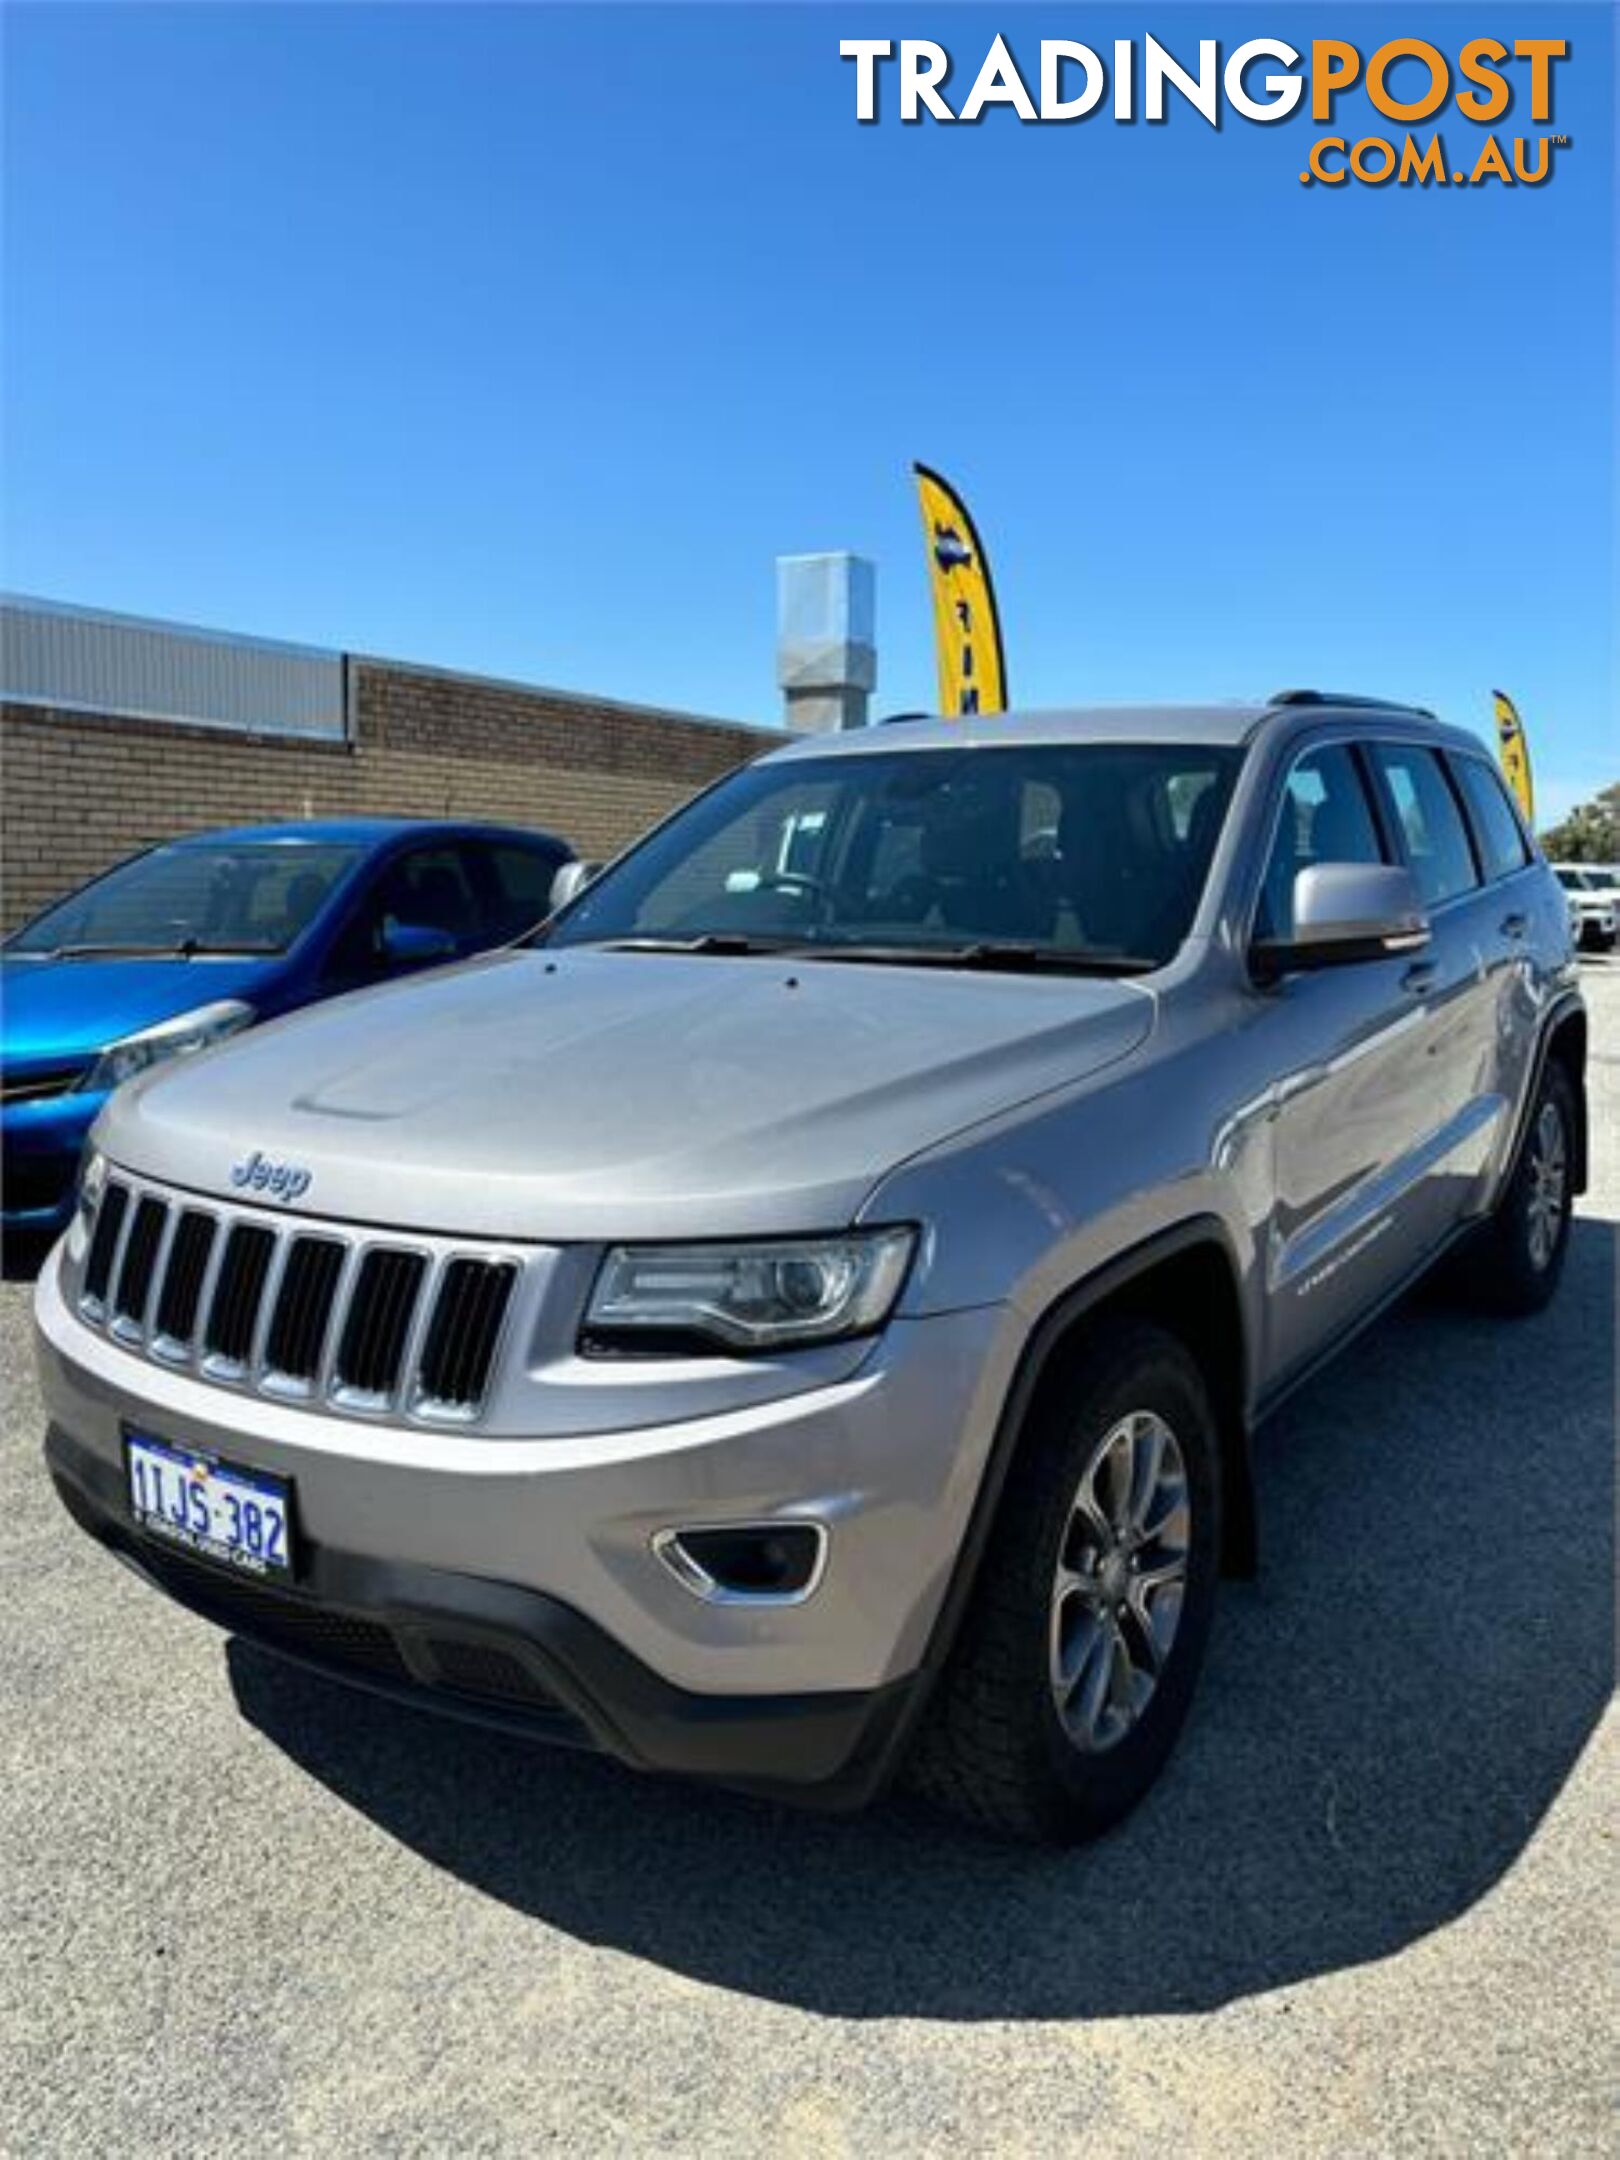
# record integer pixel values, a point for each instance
(523, 338)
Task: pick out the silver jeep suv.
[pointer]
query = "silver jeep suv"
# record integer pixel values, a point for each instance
(803, 1311)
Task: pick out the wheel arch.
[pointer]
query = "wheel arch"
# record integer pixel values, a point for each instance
(1192, 1262)
(1563, 1036)
(1565, 1040)
(1187, 1278)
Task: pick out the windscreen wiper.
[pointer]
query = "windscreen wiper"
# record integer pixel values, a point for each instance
(185, 949)
(90, 950)
(723, 942)
(991, 955)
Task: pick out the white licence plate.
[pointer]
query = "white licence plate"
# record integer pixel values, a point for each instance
(213, 1508)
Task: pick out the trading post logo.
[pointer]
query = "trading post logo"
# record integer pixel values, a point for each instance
(1408, 82)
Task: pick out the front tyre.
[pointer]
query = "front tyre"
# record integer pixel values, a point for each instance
(1517, 1262)
(1081, 1646)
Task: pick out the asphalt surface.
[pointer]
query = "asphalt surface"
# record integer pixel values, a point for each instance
(1371, 1908)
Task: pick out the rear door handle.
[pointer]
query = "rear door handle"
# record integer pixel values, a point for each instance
(1515, 925)
(1420, 976)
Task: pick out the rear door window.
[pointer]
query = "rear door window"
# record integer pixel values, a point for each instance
(1502, 844)
(1429, 819)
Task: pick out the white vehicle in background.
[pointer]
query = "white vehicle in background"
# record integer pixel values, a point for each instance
(1594, 903)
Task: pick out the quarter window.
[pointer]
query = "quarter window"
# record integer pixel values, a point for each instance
(1430, 821)
(1496, 825)
(1325, 817)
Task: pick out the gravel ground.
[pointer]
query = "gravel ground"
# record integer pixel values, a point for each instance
(1370, 1909)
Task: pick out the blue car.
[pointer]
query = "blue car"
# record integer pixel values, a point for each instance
(185, 944)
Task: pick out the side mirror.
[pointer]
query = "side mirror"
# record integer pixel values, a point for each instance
(415, 944)
(570, 881)
(1345, 912)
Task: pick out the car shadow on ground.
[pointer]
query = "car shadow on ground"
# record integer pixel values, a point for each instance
(23, 1254)
(1386, 1717)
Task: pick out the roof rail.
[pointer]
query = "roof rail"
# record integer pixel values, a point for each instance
(889, 719)
(1347, 697)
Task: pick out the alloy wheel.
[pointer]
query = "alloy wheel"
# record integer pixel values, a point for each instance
(1121, 1580)
(1549, 1181)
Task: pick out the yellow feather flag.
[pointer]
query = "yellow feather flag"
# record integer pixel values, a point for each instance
(1515, 754)
(967, 629)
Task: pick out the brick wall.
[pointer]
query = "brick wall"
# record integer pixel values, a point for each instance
(79, 791)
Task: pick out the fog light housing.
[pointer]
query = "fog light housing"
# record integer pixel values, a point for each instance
(768, 1563)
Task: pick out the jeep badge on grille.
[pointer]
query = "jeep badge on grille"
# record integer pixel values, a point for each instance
(281, 1180)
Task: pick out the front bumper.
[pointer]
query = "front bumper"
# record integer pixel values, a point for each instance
(41, 1144)
(496, 1654)
(517, 1580)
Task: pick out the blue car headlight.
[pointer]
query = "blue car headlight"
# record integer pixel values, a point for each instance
(195, 1030)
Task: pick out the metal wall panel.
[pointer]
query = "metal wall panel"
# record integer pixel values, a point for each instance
(86, 661)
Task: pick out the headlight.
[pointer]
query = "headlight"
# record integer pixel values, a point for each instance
(88, 1188)
(768, 1294)
(121, 1061)
(92, 1181)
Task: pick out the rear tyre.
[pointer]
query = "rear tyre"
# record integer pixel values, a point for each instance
(1081, 1646)
(1515, 1266)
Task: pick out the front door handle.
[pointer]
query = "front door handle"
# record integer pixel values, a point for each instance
(1515, 925)
(1420, 976)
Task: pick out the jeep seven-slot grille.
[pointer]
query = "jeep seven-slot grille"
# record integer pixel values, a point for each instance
(303, 1308)
(462, 1334)
(233, 1312)
(138, 1262)
(189, 1255)
(379, 1320)
(301, 1313)
(104, 1245)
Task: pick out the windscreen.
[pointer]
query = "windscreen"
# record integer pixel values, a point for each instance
(1093, 852)
(195, 898)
